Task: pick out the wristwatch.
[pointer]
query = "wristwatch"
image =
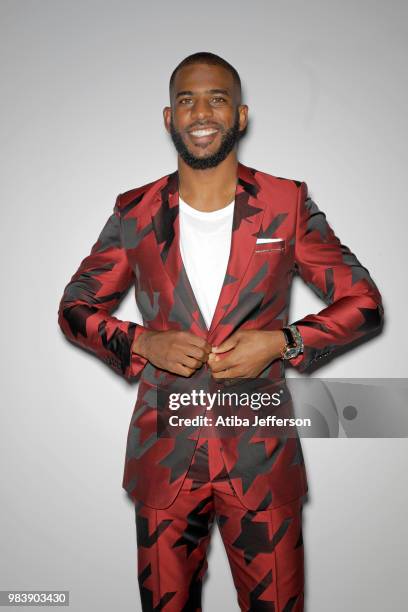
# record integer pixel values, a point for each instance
(294, 342)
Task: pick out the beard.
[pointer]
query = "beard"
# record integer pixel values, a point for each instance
(228, 141)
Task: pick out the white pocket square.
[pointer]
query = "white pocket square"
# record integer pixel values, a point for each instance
(268, 240)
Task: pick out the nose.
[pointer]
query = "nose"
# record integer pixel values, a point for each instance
(202, 109)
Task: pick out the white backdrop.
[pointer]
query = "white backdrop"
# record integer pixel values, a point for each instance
(83, 87)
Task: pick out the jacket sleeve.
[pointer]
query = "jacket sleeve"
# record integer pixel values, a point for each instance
(354, 306)
(94, 291)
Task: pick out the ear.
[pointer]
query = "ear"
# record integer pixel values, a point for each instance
(167, 117)
(243, 116)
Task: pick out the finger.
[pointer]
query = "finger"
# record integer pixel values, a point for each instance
(191, 362)
(217, 364)
(228, 373)
(197, 353)
(227, 345)
(201, 343)
(183, 370)
(188, 339)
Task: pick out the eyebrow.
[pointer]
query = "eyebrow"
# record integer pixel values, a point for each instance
(225, 92)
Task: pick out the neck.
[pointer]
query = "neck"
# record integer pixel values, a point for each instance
(210, 189)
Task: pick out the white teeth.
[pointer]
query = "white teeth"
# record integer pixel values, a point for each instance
(200, 133)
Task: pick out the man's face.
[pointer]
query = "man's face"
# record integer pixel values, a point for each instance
(205, 118)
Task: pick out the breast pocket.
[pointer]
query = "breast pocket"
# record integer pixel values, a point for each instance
(277, 245)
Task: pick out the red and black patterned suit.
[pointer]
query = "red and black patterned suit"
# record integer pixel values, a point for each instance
(139, 246)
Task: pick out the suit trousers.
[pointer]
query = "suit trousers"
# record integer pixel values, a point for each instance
(264, 548)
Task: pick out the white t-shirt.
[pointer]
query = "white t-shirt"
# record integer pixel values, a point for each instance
(205, 242)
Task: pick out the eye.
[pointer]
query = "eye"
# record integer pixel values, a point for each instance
(219, 99)
(185, 100)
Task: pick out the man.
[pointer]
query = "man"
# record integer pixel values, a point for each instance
(212, 249)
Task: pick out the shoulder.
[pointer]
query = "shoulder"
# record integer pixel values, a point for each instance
(273, 185)
(130, 198)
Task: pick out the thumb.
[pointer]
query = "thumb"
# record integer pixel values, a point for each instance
(227, 345)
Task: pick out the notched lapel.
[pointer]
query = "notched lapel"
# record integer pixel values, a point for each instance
(247, 222)
(165, 223)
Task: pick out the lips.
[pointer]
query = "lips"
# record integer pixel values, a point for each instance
(199, 133)
(203, 135)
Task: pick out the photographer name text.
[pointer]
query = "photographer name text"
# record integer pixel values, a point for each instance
(235, 421)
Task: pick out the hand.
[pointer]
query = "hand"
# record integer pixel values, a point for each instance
(246, 353)
(179, 352)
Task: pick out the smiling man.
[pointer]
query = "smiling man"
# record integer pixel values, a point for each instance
(211, 138)
(212, 249)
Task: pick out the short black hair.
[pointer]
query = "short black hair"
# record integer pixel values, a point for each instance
(205, 57)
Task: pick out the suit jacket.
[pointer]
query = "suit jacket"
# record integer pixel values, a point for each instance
(140, 245)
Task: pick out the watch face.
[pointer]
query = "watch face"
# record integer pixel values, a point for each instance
(291, 352)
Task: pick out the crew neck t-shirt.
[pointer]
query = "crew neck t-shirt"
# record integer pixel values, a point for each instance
(205, 242)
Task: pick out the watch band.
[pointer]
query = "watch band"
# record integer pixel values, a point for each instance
(290, 339)
(294, 342)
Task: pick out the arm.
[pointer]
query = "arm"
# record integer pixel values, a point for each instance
(354, 306)
(94, 291)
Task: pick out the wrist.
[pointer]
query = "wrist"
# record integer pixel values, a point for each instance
(282, 344)
(140, 344)
(275, 344)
